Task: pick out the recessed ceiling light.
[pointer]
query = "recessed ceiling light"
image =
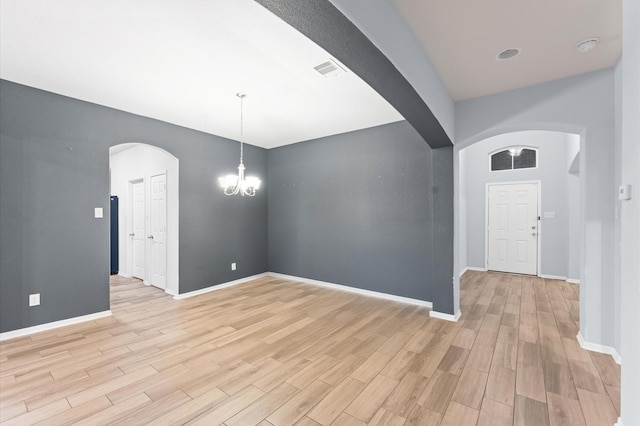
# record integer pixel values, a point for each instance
(508, 54)
(587, 45)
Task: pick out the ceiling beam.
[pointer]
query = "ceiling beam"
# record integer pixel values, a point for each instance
(325, 25)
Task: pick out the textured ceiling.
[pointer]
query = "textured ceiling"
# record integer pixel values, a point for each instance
(183, 62)
(462, 38)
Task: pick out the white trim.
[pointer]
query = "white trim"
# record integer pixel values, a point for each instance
(559, 277)
(446, 317)
(596, 347)
(360, 291)
(472, 268)
(170, 292)
(619, 422)
(552, 277)
(52, 325)
(218, 286)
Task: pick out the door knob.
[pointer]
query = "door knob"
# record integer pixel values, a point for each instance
(533, 234)
(132, 235)
(533, 227)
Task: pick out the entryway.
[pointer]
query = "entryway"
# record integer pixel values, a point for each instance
(145, 179)
(513, 227)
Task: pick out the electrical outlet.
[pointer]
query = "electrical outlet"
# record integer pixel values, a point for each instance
(34, 299)
(233, 266)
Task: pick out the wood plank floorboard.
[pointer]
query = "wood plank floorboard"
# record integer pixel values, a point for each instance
(276, 352)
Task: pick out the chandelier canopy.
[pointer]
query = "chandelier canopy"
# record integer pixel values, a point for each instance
(239, 184)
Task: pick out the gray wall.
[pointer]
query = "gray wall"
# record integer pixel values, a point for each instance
(358, 209)
(582, 105)
(380, 21)
(54, 170)
(443, 296)
(628, 108)
(574, 227)
(552, 172)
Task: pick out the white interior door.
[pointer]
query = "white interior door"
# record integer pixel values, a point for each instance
(512, 229)
(138, 229)
(158, 236)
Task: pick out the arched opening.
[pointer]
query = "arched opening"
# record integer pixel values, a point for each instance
(557, 236)
(145, 180)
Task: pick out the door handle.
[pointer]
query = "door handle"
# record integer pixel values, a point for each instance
(150, 237)
(533, 234)
(132, 235)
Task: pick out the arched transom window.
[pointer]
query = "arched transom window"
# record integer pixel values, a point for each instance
(515, 157)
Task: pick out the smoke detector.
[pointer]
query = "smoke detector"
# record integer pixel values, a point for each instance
(587, 45)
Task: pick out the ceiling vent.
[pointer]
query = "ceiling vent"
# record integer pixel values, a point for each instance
(329, 69)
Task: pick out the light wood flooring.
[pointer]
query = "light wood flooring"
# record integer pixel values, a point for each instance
(274, 352)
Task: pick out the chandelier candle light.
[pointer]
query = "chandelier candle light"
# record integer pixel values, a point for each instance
(232, 184)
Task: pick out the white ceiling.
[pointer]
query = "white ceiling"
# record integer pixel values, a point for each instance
(462, 38)
(182, 61)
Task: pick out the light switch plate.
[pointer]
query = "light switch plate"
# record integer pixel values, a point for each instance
(624, 193)
(97, 212)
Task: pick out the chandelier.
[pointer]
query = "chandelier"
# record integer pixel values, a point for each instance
(238, 184)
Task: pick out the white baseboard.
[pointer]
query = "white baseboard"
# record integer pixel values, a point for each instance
(446, 317)
(360, 291)
(559, 277)
(170, 292)
(472, 268)
(596, 347)
(51, 325)
(552, 277)
(619, 422)
(218, 286)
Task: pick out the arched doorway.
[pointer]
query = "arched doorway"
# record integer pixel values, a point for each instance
(145, 180)
(557, 231)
